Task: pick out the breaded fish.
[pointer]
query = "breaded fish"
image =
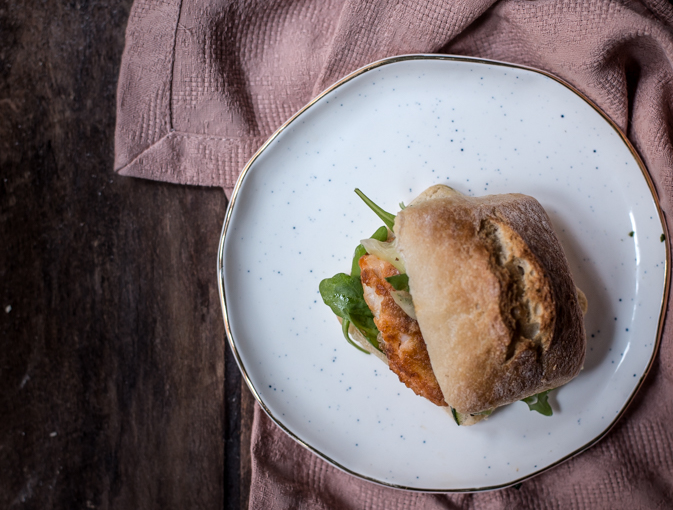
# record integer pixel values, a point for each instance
(402, 341)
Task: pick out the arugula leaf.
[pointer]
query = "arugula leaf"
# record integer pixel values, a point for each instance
(399, 282)
(386, 217)
(345, 296)
(380, 235)
(539, 403)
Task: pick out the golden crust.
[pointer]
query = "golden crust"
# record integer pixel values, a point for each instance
(400, 336)
(493, 295)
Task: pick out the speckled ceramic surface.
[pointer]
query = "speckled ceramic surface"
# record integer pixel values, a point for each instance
(392, 130)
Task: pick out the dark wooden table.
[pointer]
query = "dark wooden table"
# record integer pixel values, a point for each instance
(117, 387)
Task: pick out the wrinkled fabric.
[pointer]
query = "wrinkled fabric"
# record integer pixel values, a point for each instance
(203, 84)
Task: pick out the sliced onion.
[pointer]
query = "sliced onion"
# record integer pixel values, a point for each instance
(385, 251)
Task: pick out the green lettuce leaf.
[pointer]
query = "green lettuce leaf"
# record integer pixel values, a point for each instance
(399, 282)
(386, 217)
(380, 235)
(345, 296)
(457, 417)
(344, 329)
(539, 403)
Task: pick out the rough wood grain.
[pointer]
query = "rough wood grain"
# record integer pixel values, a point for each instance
(245, 469)
(112, 349)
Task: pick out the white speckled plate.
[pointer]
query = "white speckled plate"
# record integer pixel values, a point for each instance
(392, 129)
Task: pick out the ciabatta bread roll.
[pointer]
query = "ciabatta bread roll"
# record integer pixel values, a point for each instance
(493, 296)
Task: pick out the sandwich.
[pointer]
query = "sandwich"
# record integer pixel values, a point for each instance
(469, 300)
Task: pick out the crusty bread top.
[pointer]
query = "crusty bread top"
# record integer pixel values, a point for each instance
(493, 295)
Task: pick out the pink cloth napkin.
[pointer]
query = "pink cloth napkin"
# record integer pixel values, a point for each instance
(204, 84)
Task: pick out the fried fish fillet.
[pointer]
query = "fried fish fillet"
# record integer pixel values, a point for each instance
(402, 341)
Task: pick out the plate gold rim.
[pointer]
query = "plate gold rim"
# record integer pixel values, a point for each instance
(453, 58)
